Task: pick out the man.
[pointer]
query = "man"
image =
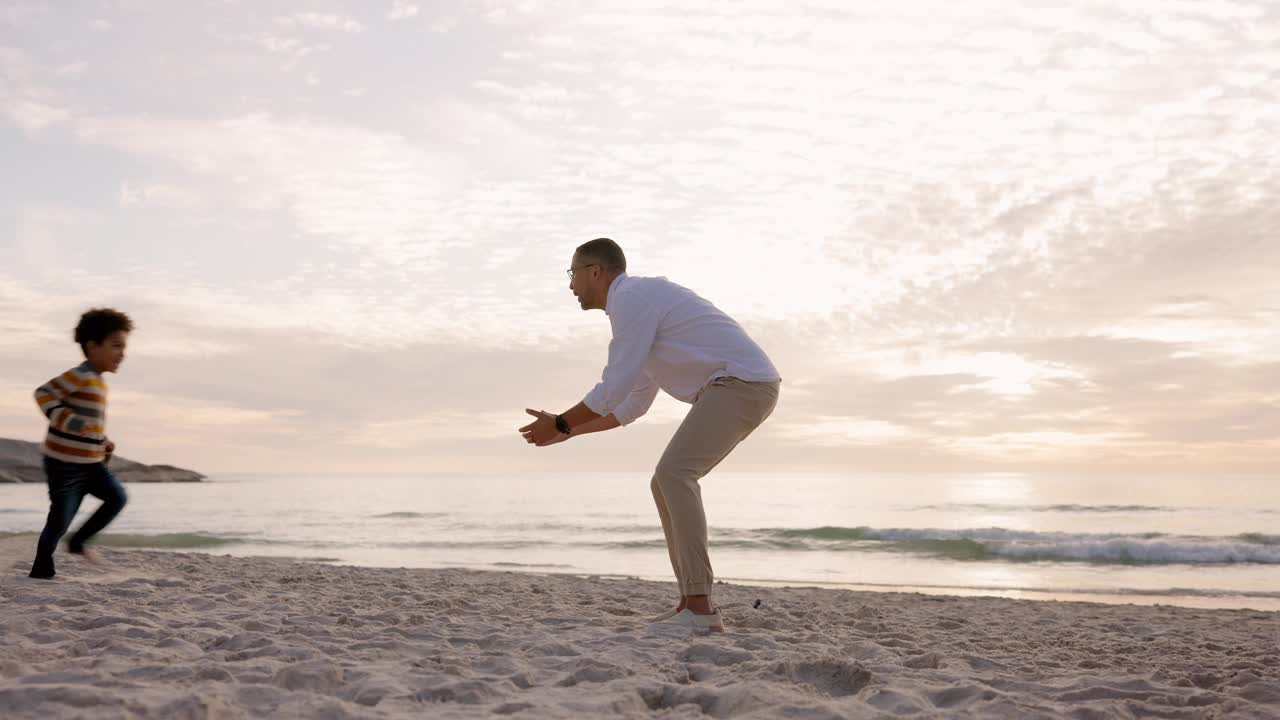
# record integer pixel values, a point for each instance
(666, 337)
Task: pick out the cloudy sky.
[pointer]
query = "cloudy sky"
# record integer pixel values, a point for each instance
(972, 236)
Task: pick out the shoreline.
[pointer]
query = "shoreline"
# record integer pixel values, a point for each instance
(1264, 601)
(168, 634)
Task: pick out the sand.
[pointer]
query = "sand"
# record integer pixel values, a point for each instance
(168, 635)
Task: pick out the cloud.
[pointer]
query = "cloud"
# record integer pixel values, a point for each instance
(841, 431)
(321, 21)
(158, 195)
(32, 115)
(331, 177)
(444, 25)
(27, 102)
(1143, 400)
(402, 10)
(17, 14)
(413, 431)
(294, 49)
(74, 69)
(977, 237)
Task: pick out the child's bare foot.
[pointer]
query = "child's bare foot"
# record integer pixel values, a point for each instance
(92, 556)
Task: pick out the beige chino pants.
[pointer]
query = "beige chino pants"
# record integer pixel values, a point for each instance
(725, 412)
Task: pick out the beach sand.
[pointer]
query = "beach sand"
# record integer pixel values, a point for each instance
(167, 635)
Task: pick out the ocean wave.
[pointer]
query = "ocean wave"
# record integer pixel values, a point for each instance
(167, 540)
(908, 534)
(991, 544)
(506, 544)
(1024, 545)
(1207, 592)
(1141, 552)
(977, 544)
(1055, 508)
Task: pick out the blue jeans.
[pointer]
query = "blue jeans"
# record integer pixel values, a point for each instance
(68, 484)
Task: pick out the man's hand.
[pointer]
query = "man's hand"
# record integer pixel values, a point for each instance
(542, 432)
(110, 449)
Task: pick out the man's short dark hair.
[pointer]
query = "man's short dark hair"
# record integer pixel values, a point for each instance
(604, 251)
(99, 323)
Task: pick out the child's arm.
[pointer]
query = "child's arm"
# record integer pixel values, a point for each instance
(49, 397)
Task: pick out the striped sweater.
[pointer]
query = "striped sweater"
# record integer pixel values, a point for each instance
(76, 404)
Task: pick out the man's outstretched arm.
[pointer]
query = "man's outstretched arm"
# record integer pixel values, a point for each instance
(602, 422)
(582, 420)
(543, 432)
(580, 414)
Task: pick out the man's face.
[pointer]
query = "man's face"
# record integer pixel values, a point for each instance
(583, 276)
(109, 354)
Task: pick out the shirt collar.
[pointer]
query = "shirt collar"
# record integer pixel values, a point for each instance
(608, 301)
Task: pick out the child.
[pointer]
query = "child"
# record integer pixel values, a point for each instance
(76, 448)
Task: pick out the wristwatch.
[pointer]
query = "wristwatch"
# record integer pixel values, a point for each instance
(563, 425)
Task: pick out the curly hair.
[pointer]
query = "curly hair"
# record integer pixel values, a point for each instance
(99, 323)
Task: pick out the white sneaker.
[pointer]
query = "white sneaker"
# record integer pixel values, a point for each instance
(664, 616)
(688, 619)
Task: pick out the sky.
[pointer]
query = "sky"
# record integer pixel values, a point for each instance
(974, 237)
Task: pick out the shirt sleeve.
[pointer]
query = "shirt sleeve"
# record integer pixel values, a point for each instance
(638, 402)
(50, 396)
(635, 325)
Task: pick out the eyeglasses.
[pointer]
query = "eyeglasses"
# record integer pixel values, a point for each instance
(573, 270)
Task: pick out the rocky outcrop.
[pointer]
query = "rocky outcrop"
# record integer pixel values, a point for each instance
(22, 461)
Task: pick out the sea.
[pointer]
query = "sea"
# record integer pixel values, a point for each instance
(1208, 542)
